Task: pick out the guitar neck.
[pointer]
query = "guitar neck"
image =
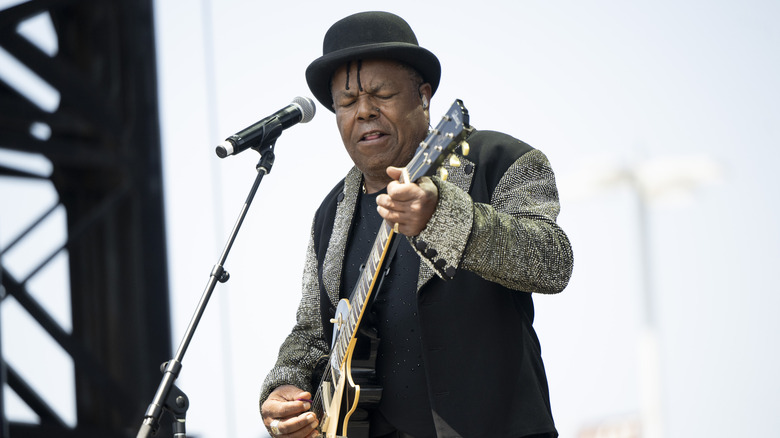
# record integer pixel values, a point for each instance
(362, 292)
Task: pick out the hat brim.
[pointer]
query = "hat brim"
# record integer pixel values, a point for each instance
(320, 71)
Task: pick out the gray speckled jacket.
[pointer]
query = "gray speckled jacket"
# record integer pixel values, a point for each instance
(492, 240)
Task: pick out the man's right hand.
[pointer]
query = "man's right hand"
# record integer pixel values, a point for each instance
(287, 409)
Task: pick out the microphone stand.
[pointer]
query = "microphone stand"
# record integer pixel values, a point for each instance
(168, 396)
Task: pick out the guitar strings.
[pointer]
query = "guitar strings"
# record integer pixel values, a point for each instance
(327, 375)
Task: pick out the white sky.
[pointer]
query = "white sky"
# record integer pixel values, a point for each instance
(598, 86)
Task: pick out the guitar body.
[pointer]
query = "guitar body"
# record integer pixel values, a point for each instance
(363, 374)
(356, 386)
(349, 388)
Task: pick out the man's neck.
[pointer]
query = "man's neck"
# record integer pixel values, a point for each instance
(374, 185)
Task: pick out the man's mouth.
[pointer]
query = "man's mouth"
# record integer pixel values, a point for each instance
(373, 135)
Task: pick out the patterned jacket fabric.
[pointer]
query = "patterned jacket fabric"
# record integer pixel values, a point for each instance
(491, 242)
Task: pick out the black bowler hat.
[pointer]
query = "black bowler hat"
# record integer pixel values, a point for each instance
(369, 35)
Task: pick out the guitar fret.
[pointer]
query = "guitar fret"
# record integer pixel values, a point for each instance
(352, 313)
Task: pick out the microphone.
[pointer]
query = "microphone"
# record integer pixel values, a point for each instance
(266, 131)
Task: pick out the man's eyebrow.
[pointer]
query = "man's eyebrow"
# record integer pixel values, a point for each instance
(376, 87)
(344, 93)
(373, 88)
(370, 89)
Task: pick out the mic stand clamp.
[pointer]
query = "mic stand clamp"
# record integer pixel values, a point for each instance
(168, 396)
(267, 159)
(177, 403)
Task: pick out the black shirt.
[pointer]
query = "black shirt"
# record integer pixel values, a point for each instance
(404, 405)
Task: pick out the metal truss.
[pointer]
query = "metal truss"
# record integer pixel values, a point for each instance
(101, 135)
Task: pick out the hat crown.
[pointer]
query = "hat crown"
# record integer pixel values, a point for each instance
(369, 35)
(366, 28)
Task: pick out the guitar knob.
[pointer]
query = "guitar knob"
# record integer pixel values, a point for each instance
(443, 174)
(464, 148)
(454, 161)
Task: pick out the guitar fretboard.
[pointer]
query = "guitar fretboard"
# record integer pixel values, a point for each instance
(361, 293)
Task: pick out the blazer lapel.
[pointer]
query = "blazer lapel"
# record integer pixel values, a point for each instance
(332, 266)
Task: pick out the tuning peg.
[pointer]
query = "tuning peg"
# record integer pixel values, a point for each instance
(443, 174)
(454, 161)
(464, 148)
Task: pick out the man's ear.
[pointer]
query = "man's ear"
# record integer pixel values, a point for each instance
(425, 95)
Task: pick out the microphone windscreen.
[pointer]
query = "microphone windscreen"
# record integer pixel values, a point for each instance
(307, 108)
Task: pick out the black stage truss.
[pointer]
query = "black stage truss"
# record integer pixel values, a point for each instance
(102, 139)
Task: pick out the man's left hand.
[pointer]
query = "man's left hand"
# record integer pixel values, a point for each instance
(410, 205)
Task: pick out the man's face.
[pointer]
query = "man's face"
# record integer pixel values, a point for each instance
(382, 123)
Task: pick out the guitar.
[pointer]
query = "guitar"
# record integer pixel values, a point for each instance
(337, 397)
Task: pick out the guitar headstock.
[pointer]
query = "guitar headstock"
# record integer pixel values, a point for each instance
(451, 132)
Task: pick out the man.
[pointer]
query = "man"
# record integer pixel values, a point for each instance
(457, 356)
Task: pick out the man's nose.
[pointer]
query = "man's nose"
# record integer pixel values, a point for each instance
(366, 109)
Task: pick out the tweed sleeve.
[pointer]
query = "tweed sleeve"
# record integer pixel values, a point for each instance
(302, 348)
(513, 241)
